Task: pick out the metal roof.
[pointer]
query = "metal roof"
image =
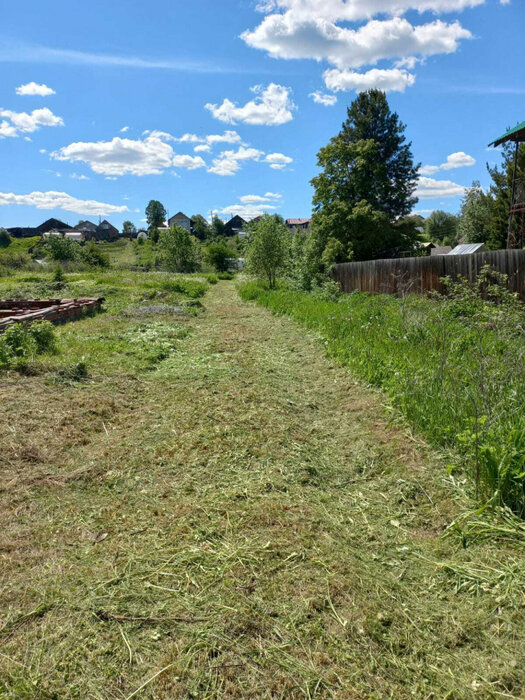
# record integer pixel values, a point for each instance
(468, 249)
(297, 222)
(515, 134)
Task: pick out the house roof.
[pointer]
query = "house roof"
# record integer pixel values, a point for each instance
(53, 224)
(297, 222)
(516, 134)
(180, 213)
(467, 249)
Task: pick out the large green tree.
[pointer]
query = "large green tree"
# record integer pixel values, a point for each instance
(201, 228)
(368, 167)
(500, 191)
(442, 227)
(155, 214)
(128, 228)
(475, 219)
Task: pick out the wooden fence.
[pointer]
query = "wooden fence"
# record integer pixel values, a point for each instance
(419, 275)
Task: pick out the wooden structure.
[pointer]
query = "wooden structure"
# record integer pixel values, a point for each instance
(517, 198)
(402, 276)
(54, 310)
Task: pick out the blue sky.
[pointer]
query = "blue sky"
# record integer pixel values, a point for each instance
(222, 106)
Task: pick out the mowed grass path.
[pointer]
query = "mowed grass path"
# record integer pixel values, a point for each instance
(240, 522)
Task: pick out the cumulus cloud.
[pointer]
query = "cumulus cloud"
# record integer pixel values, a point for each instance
(322, 98)
(428, 188)
(278, 161)
(259, 199)
(150, 155)
(33, 88)
(202, 148)
(391, 79)
(229, 162)
(318, 30)
(271, 106)
(354, 10)
(283, 36)
(15, 123)
(251, 205)
(454, 160)
(60, 200)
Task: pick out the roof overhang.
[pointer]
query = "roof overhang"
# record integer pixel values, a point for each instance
(517, 134)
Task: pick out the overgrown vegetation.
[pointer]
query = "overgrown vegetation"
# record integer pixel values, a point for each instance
(21, 343)
(454, 365)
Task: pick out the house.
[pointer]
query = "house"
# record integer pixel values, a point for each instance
(234, 226)
(441, 250)
(23, 231)
(468, 249)
(53, 225)
(48, 234)
(427, 247)
(181, 219)
(299, 225)
(106, 232)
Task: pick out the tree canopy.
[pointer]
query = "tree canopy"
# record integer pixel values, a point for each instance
(180, 249)
(155, 214)
(442, 227)
(267, 248)
(367, 173)
(128, 227)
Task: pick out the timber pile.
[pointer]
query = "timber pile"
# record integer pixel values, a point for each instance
(54, 310)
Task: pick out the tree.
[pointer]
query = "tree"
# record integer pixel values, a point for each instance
(155, 214)
(180, 250)
(128, 228)
(475, 219)
(219, 255)
(5, 238)
(218, 227)
(442, 227)
(500, 192)
(267, 248)
(369, 166)
(60, 248)
(201, 228)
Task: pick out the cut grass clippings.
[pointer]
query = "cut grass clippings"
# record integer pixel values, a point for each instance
(248, 525)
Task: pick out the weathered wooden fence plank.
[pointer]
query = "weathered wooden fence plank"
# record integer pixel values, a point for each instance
(419, 275)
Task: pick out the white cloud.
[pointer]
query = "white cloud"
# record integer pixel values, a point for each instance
(188, 162)
(272, 106)
(33, 88)
(278, 161)
(321, 98)
(120, 156)
(43, 150)
(391, 79)
(15, 123)
(60, 200)
(189, 138)
(74, 176)
(353, 10)
(454, 160)
(228, 162)
(428, 188)
(318, 29)
(124, 129)
(202, 148)
(252, 205)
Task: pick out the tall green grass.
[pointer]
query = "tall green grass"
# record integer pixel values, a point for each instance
(453, 365)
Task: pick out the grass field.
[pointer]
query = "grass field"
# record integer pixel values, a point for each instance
(218, 510)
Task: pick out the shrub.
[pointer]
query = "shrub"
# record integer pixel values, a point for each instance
(180, 250)
(21, 342)
(14, 260)
(225, 275)
(93, 256)
(5, 238)
(218, 255)
(60, 248)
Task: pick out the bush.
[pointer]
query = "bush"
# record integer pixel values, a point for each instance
(14, 260)
(5, 238)
(225, 275)
(93, 256)
(60, 248)
(21, 342)
(453, 365)
(180, 250)
(218, 255)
